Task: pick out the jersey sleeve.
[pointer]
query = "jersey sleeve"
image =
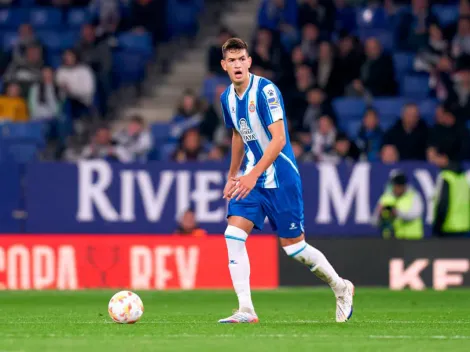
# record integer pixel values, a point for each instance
(225, 111)
(271, 106)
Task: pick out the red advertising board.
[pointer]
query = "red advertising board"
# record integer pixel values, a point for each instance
(70, 262)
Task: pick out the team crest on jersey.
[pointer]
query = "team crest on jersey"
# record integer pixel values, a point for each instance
(246, 132)
(252, 107)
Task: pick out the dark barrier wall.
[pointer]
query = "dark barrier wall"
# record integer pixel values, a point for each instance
(10, 197)
(99, 197)
(438, 264)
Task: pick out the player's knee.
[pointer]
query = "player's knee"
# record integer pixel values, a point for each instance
(290, 241)
(233, 233)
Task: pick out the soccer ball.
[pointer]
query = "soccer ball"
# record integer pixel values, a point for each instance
(125, 307)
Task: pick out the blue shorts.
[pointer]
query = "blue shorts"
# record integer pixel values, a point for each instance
(284, 208)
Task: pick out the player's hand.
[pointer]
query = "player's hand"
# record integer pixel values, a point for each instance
(230, 187)
(244, 186)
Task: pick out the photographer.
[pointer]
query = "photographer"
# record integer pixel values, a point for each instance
(400, 210)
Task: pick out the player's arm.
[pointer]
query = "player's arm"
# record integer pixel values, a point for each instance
(273, 149)
(238, 153)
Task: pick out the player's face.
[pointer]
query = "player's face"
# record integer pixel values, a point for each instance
(237, 64)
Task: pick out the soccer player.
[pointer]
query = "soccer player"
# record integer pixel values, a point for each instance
(270, 185)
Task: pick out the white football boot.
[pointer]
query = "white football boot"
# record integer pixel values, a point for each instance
(243, 315)
(344, 303)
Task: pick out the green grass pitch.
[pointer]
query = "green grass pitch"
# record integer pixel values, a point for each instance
(290, 320)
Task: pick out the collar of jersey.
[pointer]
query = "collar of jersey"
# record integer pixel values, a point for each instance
(247, 89)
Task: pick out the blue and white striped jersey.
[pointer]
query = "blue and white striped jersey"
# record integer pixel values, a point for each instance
(251, 114)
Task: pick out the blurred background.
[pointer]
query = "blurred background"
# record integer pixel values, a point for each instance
(110, 118)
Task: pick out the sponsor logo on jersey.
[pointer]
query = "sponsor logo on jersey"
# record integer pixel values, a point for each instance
(245, 131)
(252, 107)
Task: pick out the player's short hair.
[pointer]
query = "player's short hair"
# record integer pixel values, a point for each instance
(234, 44)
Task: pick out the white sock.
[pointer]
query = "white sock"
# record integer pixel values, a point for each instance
(239, 265)
(318, 264)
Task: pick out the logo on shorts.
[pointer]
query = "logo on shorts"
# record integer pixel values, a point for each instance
(293, 226)
(246, 132)
(252, 107)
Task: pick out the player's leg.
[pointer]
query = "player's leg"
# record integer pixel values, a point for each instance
(242, 216)
(316, 261)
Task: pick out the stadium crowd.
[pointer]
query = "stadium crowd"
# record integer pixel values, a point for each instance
(385, 82)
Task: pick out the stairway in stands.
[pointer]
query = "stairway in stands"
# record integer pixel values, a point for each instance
(188, 66)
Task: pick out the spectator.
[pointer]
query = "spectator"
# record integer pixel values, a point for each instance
(447, 134)
(102, 147)
(214, 55)
(150, 16)
(437, 46)
(44, 100)
(309, 42)
(12, 105)
(409, 134)
(217, 153)
(351, 59)
(458, 93)
(188, 226)
(108, 13)
(413, 27)
(27, 72)
(212, 126)
(280, 15)
(324, 138)
(461, 41)
(26, 39)
(389, 154)
(369, 137)
(77, 82)
(188, 116)
(190, 148)
(299, 151)
(97, 55)
(296, 96)
(265, 54)
(318, 12)
(318, 105)
(326, 71)
(345, 150)
(136, 139)
(377, 73)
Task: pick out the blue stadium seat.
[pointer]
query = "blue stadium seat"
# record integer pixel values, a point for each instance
(21, 151)
(427, 109)
(209, 86)
(160, 132)
(12, 17)
(182, 17)
(58, 40)
(78, 17)
(415, 86)
(167, 150)
(352, 128)
(9, 39)
(403, 63)
(43, 17)
(53, 59)
(128, 68)
(370, 17)
(349, 108)
(136, 43)
(386, 124)
(32, 132)
(446, 14)
(389, 108)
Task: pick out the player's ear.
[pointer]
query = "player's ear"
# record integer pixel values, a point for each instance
(249, 61)
(223, 64)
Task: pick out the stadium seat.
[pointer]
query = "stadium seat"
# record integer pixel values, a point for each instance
(12, 17)
(167, 150)
(128, 68)
(136, 43)
(389, 108)
(210, 84)
(415, 86)
(31, 131)
(372, 17)
(43, 17)
(58, 40)
(9, 39)
(446, 14)
(78, 17)
(349, 108)
(352, 128)
(427, 109)
(160, 132)
(403, 63)
(21, 151)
